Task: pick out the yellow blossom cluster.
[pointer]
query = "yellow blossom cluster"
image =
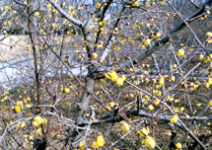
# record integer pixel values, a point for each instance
(98, 5)
(100, 45)
(145, 99)
(136, 3)
(147, 42)
(109, 106)
(210, 103)
(205, 59)
(8, 6)
(178, 145)
(181, 52)
(91, 27)
(144, 132)
(157, 92)
(18, 107)
(99, 142)
(82, 145)
(158, 35)
(156, 102)
(209, 34)
(80, 7)
(38, 120)
(174, 118)
(95, 55)
(178, 109)
(149, 142)
(49, 6)
(22, 125)
(55, 11)
(161, 81)
(72, 11)
(114, 77)
(136, 27)
(102, 23)
(125, 126)
(80, 56)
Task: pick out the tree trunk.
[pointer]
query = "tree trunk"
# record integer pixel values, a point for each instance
(81, 111)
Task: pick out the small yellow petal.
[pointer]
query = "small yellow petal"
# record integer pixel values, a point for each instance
(174, 119)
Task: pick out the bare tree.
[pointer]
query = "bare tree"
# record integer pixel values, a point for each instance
(105, 74)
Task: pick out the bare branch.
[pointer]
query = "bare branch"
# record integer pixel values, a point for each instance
(164, 40)
(71, 19)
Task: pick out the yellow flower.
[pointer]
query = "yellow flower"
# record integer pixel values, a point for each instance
(209, 34)
(123, 77)
(95, 55)
(67, 90)
(201, 57)
(174, 118)
(149, 142)
(210, 81)
(91, 27)
(38, 131)
(168, 133)
(31, 137)
(19, 103)
(136, 3)
(102, 30)
(161, 81)
(131, 95)
(198, 104)
(23, 124)
(125, 126)
(98, 5)
(35, 123)
(178, 145)
(210, 103)
(79, 8)
(100, 23)
(44, 121)
(161, 3)
(113, 76)
(147, 41)
(123, 41)
(108, 107)
(187, 116)
(104, 22)
(119, 81)
(49, 6)
(17, 108)
(156, 102)
(8, 7)
(144, 132)
(158, 34)
(95, 145)
(37, 13)
(111, 104)
(174, 65)
(207, 85)
(82, 145)
(38, 120)
(173, 78)
(181, 52)
(150, 107)
(28, 105)
(100, 140)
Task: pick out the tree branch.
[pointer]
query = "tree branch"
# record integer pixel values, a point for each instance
(164, 40)
(69, 18)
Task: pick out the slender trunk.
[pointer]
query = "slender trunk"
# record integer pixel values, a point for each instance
(81, 111)
(44, 142)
